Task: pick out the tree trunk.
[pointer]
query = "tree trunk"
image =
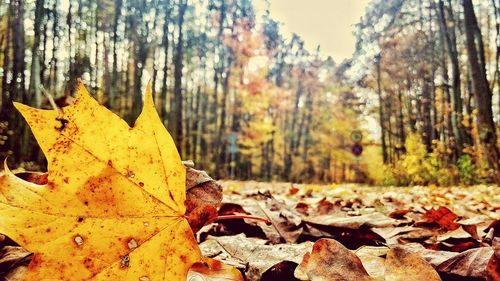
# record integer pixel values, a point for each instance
(456, 97)
(55, 34)
(114, 77)
(481, 89)
(175, 120)
(35, 83)
(165, 43)
(381, 111)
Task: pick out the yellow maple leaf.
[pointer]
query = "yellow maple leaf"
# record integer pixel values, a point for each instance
(113, 206)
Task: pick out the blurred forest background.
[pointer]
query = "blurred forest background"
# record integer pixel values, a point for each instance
(244, 101)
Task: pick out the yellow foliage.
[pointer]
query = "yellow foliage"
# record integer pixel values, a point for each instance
(113, 207)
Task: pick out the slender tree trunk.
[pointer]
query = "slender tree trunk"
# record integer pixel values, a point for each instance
(218, 70)
(17, 86)
(292, 133)
(6, 106)
(55, 34)
(6, 94)
(18, 47)
(35, 83)
(221, 136)
(175, 120)
(482, 92)
(496, 78)
(114, 77)
(165, 43)
(381, 111)
(95, 69)
(401, 128)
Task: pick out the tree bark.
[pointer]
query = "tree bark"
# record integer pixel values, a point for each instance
(175, 120)
(481, 89)
(165, 43)
(35, 83)
(385, 157)
(456, 97)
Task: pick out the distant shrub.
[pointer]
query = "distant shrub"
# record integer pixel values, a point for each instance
(466, 169)
(419, 167)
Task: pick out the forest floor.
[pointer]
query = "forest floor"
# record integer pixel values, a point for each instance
(339, 232)
(450, 229)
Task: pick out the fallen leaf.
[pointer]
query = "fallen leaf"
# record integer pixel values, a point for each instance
(471, 263)
(201, 216)
(403, 265)
(213, 270)
(399, 214)
(326, 207)
(351, 238)
(302, 208)
(493, 267)
(280, 271)
(293, 190)
(252, 254)
(373, 260)
(443, 217)
(354, 222)
(330, 260)
(12, 257)
(201, 190)
(113, 205)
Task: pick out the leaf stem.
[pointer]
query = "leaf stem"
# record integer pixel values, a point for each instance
(233, 217)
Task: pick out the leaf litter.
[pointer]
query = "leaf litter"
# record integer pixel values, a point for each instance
(330, 232)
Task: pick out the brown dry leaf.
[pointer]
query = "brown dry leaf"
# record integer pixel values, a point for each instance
(373, 260)
(203, 197)
(252, 254)
(12, 257)
(280, 271)
(250, 228)
(201, 190)
(391, 234)
(201, 216)
(354, 222)
(325, 207)
(471, 263)
(286, 226)
(403, 265)
(213, 270)
(330, 260)
(302, 208)
(493, 268)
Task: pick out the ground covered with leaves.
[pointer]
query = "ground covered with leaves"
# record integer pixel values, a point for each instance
(360, 232)
(332, 232)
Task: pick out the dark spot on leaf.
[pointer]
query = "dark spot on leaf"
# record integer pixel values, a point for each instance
(125, 261)
(51, 185)
(63, 121)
